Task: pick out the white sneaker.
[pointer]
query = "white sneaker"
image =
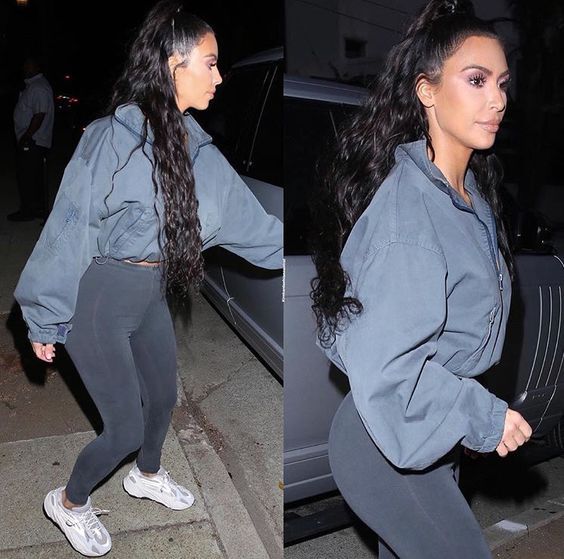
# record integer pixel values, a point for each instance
(160, 488)
(81, 527)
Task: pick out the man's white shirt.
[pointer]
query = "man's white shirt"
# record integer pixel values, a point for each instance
(37, 97)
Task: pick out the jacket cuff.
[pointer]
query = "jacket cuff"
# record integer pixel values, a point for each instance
(53, 335)
(499, 411)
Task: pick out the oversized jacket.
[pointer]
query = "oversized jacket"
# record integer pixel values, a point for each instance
(436, 294)
(106, 207)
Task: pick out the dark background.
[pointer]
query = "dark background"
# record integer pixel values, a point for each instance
(88, 41)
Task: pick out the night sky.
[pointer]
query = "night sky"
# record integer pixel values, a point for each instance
(88, 40)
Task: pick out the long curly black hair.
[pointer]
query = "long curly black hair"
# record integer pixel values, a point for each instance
(364, 155)
(147, 81)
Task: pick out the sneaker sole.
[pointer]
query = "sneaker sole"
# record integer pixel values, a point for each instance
(130, 489)
(47, 508)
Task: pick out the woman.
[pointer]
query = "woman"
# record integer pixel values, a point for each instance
(413, 290)
(144, 194)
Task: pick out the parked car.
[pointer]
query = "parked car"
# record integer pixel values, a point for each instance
(529, 376)
(245, 122)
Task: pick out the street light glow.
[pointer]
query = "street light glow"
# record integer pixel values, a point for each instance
(21, 2)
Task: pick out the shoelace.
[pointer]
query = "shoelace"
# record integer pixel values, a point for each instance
(90, 519)
(172, 486)
(177, 487)
(169, 481)
(166, 482)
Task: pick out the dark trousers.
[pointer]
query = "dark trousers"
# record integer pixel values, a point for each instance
(31, 178)
(415, 514)
(123, 345)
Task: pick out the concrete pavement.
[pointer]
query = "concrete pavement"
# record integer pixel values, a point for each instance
(239, 402)
(546, 542)
(47, 417)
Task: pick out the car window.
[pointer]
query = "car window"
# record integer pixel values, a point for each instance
(265, 162)
(232, 115)
(310, 127)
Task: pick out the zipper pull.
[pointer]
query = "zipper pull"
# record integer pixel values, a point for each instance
(500, 282)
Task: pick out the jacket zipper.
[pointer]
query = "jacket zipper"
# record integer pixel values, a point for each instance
(494, 256)
(490, 244)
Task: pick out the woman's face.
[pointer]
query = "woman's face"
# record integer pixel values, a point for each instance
(195, 81)
(468, 104)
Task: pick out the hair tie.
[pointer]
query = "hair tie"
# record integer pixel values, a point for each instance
(451, 7)
(461, 7)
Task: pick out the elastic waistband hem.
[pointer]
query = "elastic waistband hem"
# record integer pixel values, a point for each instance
(105, 260)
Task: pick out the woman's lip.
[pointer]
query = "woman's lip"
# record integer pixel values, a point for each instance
(489, 127)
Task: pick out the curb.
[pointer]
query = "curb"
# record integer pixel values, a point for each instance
(231, 521)
(521, 525)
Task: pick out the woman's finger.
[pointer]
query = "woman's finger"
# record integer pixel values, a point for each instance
(502, 450)
(45, 352)
(526, 430)
(49, 352)
(520, 438)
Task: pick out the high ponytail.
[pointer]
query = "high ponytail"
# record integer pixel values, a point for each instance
(436, 10)
(364, 155)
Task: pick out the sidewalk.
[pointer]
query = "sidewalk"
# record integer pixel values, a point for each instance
(47, 417)
(535, 533)
(544, 543)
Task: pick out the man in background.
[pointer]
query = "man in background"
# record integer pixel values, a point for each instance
(33, 124)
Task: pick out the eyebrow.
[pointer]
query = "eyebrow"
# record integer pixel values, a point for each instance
(211, 56)
(486, 71)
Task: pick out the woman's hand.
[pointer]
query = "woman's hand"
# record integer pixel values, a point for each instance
(515, 433)
(45, 352)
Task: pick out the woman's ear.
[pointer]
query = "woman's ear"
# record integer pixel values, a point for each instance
(173, 62)
(425, 91)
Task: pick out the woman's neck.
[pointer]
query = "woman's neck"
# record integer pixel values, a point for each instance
(452, 160)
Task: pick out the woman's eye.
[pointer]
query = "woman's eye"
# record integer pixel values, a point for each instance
(505, 85)
(478, 80)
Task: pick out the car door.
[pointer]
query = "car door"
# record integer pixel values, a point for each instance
(246, 126)
(313, 389)
(255, 294)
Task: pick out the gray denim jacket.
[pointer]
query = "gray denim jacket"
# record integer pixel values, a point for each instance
(84, 224)
(436, 294)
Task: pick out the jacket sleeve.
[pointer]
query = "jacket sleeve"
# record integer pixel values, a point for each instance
(246, 229)
(48, 285)
(414, 409)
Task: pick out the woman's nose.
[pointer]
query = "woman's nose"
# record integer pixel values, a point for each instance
(498, 99)
(217, 78)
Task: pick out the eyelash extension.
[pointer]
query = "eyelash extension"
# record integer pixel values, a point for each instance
(476, 77)
(503, 85)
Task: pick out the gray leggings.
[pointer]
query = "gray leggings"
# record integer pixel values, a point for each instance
(416, 514)
(123, 345)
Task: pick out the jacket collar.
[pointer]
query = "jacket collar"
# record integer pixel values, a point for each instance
(132, 118)
(417, 152)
